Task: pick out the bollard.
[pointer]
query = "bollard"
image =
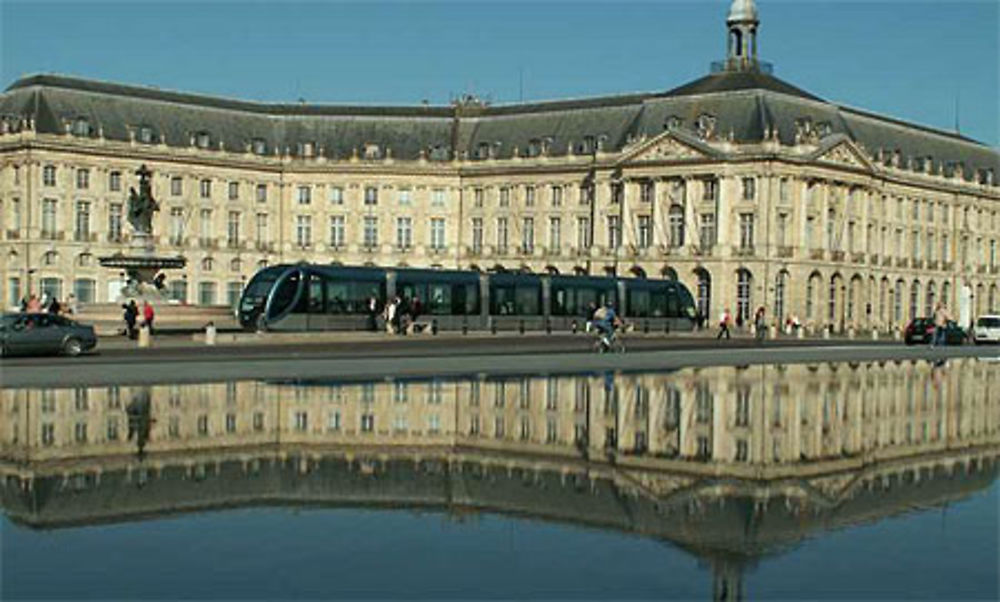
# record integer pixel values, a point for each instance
(520, 327)
(645, 327)
(800, 333)
(666, 327)
(144, 338)
(465, 327)
(573, 327)
(874, 334)
(826, 332)
(434, 327)
(210, 333)
(548, 326)
(850, 333)
(493, 326)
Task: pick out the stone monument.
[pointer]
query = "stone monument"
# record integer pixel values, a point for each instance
(142, 265)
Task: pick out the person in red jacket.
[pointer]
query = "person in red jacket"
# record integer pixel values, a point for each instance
(147, 315)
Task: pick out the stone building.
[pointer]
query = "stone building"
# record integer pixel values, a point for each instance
(744, 187)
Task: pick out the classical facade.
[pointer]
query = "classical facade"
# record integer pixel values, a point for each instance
(746, 188)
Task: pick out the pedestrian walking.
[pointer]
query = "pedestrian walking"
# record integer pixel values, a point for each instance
(130, 316)
(724, 322)
(372, 313)
(940, 325)
(147, 316)
(760, 326)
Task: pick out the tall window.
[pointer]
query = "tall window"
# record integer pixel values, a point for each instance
(371, 195)
(176, 225)
(749, 189)
(439, 197)
(82, 231)
(529, 196)
(206, 293)
(744, 282)
(675, 217)
(707, 230)
(710, 189)
(263, 233)
(234, 191)
(557, 196)
(831, 240)
(305, 195)
(783, 189)
(645, 231)
(49, 175)
(115, 181)
(261, 193)
(206, 224)
(303, 230)
(505, 196)
(779, 295)
(746, 231)
(337, 238)
(614, 231)
(83, 179)
(438, 241)
(477, 235)
(405, 196)
(370, 231)
(115, 222)
(583, 238)
(336, 195)
(233, 228)
(555, 234)
(647, 191)
(205, 189)
(782, 225)
(477, 197)
(528, 235)
(404, 232)
(48, 218)
(704, 293)
(502, 235)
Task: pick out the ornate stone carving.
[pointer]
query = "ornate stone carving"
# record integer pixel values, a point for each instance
(842, 155)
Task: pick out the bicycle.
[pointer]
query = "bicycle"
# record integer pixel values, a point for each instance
(613, 343)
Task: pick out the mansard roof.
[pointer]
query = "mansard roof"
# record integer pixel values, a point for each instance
(745, 106)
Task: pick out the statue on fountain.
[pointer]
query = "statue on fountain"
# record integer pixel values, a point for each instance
(142, 206)
(143, 266)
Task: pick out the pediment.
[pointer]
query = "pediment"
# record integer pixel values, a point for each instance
(844, 154)
(665, 147)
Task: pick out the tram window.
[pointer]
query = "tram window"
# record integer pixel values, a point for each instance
(438, 300)
(337, 295)
(465, 299)
(502, 300)
(639, 304)
(658, 303)
(673, 307)
(528, 300)
(284, 294)
(315, 295)
(687, 303)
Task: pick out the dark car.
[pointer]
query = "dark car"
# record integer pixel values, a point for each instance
(921, 330)
(37, 334)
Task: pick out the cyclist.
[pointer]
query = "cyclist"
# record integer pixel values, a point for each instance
(606, 321)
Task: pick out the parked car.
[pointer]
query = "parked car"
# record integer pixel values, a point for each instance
(921, 330)
(986, 330)
(38, 333)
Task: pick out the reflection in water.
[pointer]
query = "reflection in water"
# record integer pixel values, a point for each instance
(729, 463)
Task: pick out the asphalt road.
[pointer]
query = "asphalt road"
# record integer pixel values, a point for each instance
(376, 358)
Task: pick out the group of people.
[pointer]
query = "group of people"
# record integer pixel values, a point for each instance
(398, 315)
(47, 304)
(131, 316)
(759, 323)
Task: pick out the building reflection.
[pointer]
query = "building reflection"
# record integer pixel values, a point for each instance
(731, 464)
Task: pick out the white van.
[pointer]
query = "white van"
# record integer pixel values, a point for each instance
(987, 330)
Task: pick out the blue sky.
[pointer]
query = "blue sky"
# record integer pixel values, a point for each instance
(908, 59)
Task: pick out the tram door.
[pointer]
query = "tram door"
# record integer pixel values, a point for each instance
(315, 304)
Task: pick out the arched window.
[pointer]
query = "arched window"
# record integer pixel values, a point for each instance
(50, 258)
(207, 264)
(897, 309)
(676, 219)
(235, 265)
(931, 299)
(914, 298)
(811, 295)
(669, 273)
(744, 282)
(779, 295)
(704, 292)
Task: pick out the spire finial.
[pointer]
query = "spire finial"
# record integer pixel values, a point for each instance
(742, 24)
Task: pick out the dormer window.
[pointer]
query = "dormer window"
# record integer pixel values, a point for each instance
(705, 126)
(673, 122)
(439, 153)
(589, 145)
(81, 127)
(824, 128)
(372, 151)
(258, 146)
(203, 140)
(483, 152)
(534, 147)
(146, 135)
(305, 149)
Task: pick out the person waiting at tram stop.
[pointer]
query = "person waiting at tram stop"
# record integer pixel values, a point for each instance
(760, 325)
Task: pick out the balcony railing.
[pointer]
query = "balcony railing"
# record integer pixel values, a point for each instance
(703, 251)
(932, 265)
(50, 235)
(234, 244)
(208, 243)
(441, 250)
(858, 257)
(13, 234)
(817, 254)
(85, 236)
(836, 256)
(918, 264)
(743, 251)
(267, 247)
(786, 251)
(902, 263)
(178, 241)
(886, 261)
(115, 237)
(947, 266)
(873, 259)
